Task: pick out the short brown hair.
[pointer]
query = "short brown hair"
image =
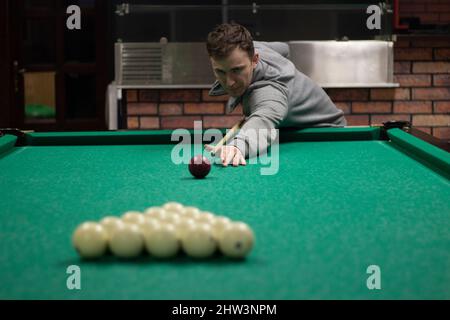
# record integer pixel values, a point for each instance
(228, 36)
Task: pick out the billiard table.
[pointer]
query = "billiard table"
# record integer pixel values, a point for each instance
(346, 205)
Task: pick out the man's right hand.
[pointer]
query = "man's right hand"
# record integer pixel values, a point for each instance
(228, 154)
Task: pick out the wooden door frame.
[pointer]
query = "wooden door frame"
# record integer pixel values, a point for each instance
(6, 88)
(13, 116)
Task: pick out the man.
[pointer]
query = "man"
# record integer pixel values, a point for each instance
(273, 93)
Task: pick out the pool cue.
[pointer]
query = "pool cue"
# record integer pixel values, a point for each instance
(230, 133)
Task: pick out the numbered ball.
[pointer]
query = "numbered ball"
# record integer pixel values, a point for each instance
(236, 240)
(198, 241)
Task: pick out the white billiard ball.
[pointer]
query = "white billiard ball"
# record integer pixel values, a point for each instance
(127, 241)
(149, 225)
(153, 211)
(190, 212)
(161, 240)
(236, 240)
(110, 224)
(218, 224)
(90, 239)
(133, 217)
(171, 218)
(182, 225)
(173, 206)
(205, 217)
(198, 241)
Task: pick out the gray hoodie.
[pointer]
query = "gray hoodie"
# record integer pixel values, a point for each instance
(279, 96)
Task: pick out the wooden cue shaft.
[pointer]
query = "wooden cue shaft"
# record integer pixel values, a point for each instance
(232, 131)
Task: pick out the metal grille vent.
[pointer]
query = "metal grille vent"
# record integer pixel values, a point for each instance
(139, 63)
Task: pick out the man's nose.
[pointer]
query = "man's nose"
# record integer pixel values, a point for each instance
(230, 81)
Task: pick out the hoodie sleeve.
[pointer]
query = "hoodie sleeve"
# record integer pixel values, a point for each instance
(268, 108)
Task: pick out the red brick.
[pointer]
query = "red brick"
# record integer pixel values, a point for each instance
(413, 80)
(442, 107)
(204, 108)
(149, 123)
(185, 95)
(412, 107)
(431, 120)
(142, 108)
(390, 94)
(150, 95)
(442, 133)
(237, 110)
(357, 120)
(380, 118)
(431, 67)
(424, 129)
(430, 43)
(408, 54)
(220, 121)
(348, 94)
(442, 54)
(371, 107)
(402, 67)
(441, 80)
(431, 94)
(132, 122)
(186, 122)
(438, 8)
(170, 109)
(411, 8)
(132, 96)
(426, 18)
(207, 97)
(344, 106)
(401, 43)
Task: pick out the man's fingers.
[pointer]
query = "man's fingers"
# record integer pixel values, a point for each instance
(242, 161)
(229, 156)
(236, 159)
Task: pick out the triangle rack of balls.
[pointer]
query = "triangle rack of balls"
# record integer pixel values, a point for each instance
(164, 232)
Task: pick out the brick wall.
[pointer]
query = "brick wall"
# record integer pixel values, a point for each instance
(422, 67)
(428, 11)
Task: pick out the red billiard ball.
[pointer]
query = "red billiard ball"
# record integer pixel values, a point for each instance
(199, 166)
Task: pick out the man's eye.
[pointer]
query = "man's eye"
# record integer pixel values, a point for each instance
(237, 70)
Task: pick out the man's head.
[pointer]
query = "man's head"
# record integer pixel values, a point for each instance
(233, 58)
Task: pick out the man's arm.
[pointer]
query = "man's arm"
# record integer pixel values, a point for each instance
(268, 109)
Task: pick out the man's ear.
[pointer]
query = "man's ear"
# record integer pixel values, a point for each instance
(255, 60)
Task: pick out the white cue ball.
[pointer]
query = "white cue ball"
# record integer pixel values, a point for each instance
(161, 241)
(127, 241)
(198, 241)
(90, 239)
(219, 223)
(133, 217)
(110, 224)
(236, 240)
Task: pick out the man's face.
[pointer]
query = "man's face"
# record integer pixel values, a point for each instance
(235, 71)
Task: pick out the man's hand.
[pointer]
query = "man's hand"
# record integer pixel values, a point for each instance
(228, 154)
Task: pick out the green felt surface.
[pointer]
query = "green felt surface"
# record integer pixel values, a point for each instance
(333, 209)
